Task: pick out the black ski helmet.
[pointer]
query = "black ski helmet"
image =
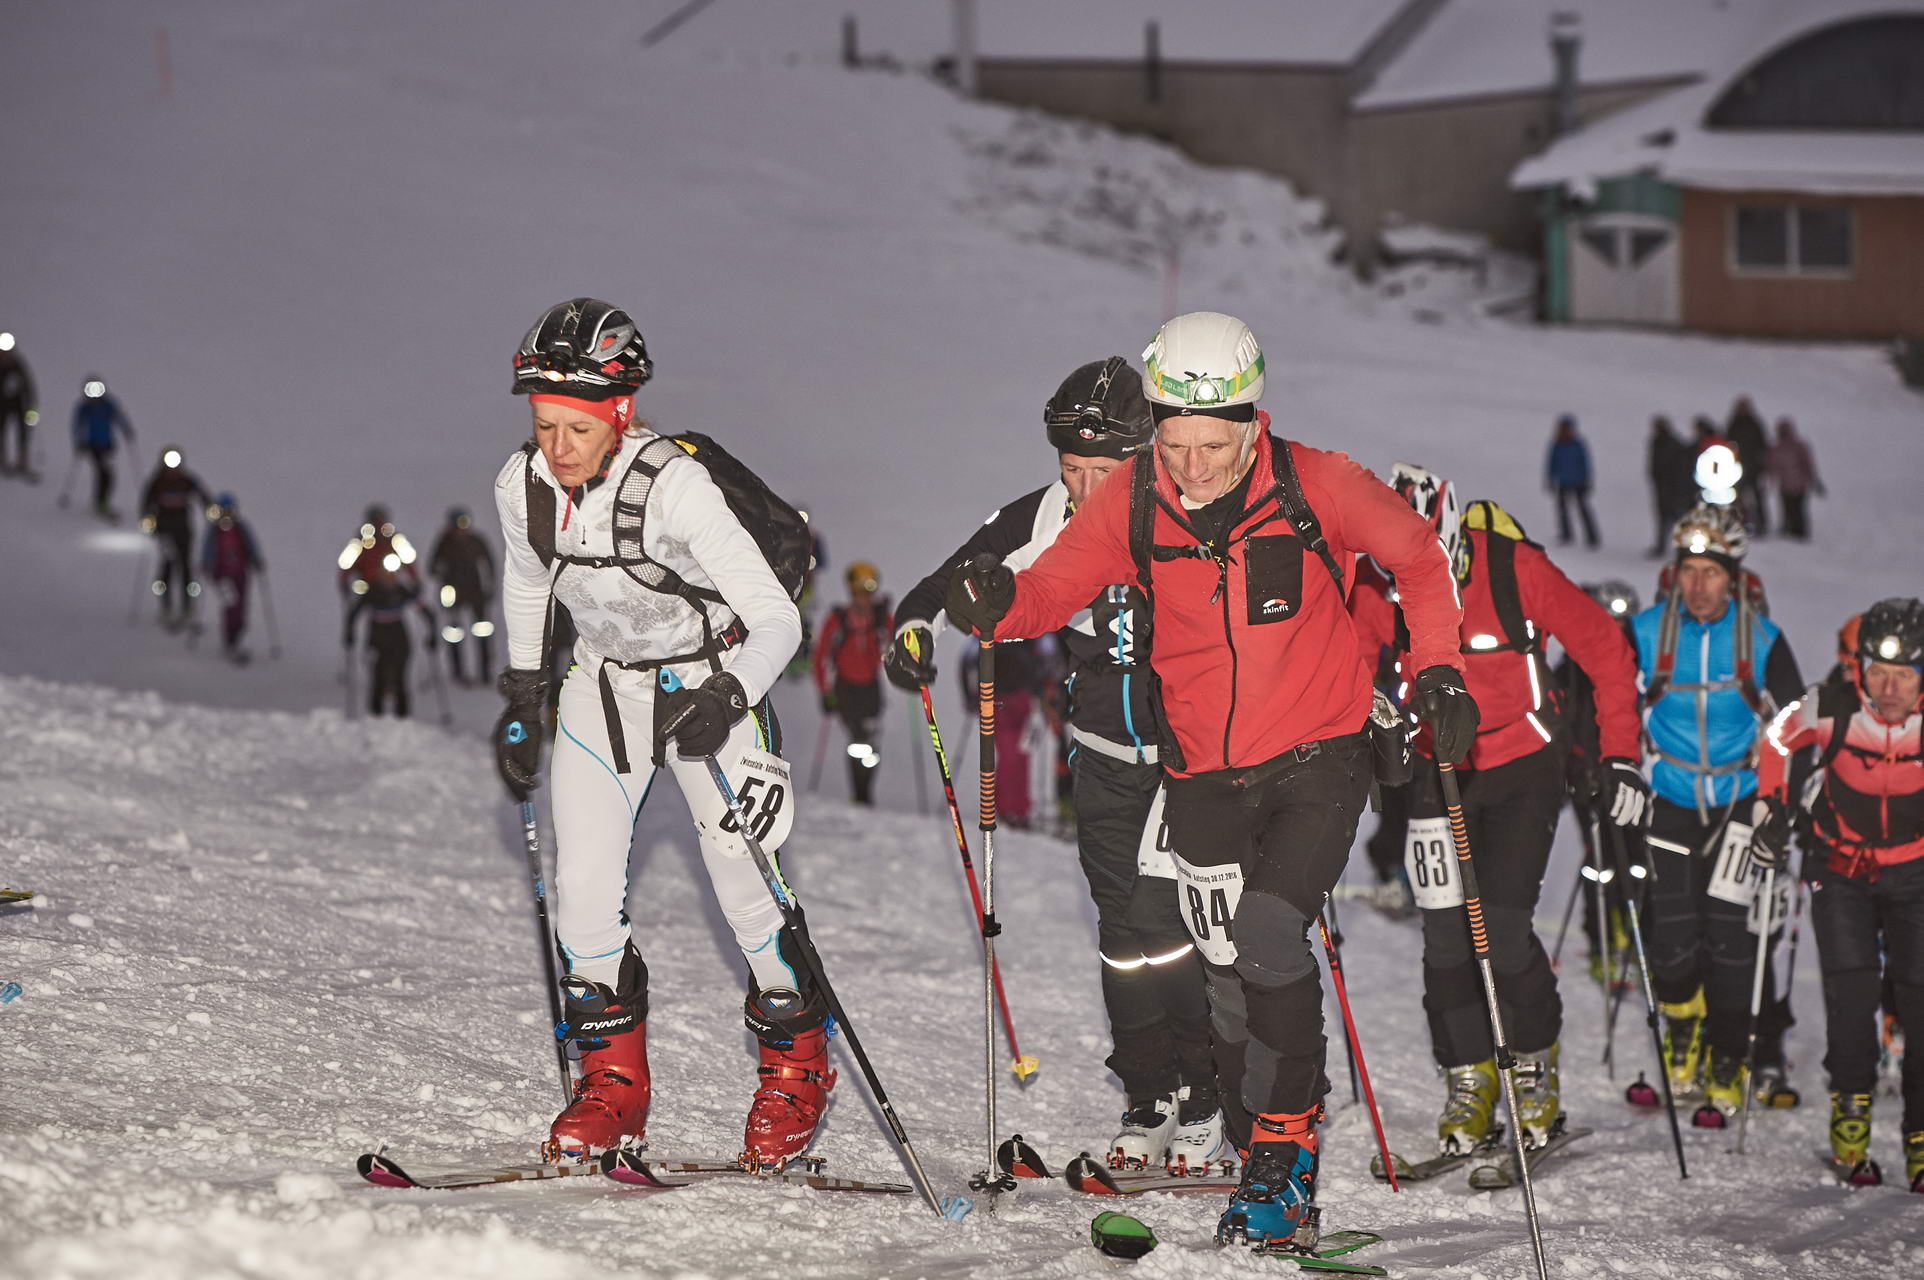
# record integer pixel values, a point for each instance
(584, 348)
(1892, 631)
(1099, 411)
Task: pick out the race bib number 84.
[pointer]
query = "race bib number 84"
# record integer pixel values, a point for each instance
(1209, 896)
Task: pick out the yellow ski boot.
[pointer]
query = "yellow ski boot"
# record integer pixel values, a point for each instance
(1470, 1109)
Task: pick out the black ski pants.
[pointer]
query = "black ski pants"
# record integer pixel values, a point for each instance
(1152, 977)
(13, 418)
(1281, 830)
(466, 611)
(860, 709)
(103, 460)
(1510, 812)
(1854, 921)
(1693, 939)
(1579, 498)
(389, 648)
(175, 538)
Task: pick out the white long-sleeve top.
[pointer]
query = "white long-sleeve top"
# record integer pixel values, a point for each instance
(689, 528)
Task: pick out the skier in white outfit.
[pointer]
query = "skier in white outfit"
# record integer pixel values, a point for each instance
(682, 630)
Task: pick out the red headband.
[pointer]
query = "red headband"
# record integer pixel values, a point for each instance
(615, 411)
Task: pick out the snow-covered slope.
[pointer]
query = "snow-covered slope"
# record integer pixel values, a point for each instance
(307, 265)
(270, 941)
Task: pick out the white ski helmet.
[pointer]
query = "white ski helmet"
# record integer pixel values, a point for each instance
(1202, 363)
(1434, 498)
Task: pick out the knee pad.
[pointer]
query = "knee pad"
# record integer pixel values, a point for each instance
(1272, 941)
(1228, 1011)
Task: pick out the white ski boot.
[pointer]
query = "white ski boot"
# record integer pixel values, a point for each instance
(1147, 1126)
(1199, 1139)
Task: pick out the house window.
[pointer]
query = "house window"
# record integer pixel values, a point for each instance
(1783, 239)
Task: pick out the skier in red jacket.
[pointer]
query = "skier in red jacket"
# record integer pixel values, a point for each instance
(1241, 542)
(1512, 784)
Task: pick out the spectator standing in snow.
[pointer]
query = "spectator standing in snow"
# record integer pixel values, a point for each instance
(1567, 474)
(1795, 471)
(1746, 432)
(1673, 490)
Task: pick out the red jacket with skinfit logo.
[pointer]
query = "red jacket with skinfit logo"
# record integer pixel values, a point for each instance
(1511, 688)
(1258, 655)
(1870, 805)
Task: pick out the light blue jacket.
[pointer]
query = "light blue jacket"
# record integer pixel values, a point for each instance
(1702, 728)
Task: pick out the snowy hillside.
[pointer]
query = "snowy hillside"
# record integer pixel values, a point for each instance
(269, 942)
(272, 938)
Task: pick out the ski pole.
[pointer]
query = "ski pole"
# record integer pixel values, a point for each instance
(1505, 1059)
(1569, 909)
(1357, 1064)
(434, 674)
(1622, 860)
(1769, 902)
(531, 832)
(1335, 928)
(991, 1178)
(1023, 1067)
(821, 748)
(267, 610)
(797, 926)
(921, 773)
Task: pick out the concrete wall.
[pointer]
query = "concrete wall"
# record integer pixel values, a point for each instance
(1447, 164)
(1277, 119)
(1882, 297)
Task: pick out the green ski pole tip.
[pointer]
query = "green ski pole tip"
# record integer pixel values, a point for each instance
(1121, 1236)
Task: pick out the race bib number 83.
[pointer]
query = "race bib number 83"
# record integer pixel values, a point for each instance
(1430, 861)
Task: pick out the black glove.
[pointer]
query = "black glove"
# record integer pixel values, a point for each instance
(1769, 833)
(980, 593)
(1447, 707)
(910, 660)
(517, 734)
(698, 720)
(1623, 796)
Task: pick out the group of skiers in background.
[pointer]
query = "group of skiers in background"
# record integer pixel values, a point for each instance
(379, 580)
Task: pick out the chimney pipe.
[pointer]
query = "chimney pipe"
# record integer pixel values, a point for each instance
(963, 12)
(1566, 42)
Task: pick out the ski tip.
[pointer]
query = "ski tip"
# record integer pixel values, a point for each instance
(628, 1167)
(383, 1172)
(1120, 1236)
(1024, 1067)
(1018, 1158)
(1086, 1175)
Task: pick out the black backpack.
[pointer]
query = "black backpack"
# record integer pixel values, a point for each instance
(777, 527)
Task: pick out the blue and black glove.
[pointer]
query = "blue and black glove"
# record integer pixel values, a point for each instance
(698, 721)
(517, 734)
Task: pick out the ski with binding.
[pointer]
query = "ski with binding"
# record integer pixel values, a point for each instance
(1502, 1172)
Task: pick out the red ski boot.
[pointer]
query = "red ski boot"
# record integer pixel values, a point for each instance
(611, 1094)
(795, 1077)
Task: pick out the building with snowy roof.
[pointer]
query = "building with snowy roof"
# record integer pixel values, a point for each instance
(1393, 112)
(1780, 195)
